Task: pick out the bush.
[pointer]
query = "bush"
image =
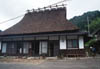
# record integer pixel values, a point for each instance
(90, 42)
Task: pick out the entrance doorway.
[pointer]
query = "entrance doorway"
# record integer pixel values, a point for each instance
(19, 48)
(53, 49)
(35, 48)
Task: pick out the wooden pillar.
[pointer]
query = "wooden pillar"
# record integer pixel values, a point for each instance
(18, 53)
(34, 45)
(48, 49)
(66, 46)
(59, 45)
(78, 52)
(22, 46)
(1, 47)
(41, 48)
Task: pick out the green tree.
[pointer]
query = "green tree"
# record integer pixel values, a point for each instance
(81, 21)
(95, 24)
(90, 42)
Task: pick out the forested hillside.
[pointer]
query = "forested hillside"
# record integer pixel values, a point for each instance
(81, 21)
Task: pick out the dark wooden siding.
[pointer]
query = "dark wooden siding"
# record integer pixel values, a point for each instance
(73, 53)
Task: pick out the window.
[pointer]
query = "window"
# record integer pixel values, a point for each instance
(73, 43)
(26, 47)
(72, 37)
(53, 38)
(11, 48)
(43, 47)
(16, 47)
(69, 44)
(4, 48)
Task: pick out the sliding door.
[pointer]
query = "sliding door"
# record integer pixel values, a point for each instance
(43, 47)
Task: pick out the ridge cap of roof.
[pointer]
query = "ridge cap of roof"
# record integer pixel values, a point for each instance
(51, 9)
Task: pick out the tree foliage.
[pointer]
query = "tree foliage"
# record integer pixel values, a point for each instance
(81, 21)
(95, 24)
(90, 42)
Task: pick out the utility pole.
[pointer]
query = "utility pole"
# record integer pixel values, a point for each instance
(88, 26)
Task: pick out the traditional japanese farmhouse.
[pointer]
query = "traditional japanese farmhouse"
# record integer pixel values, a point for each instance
(43, 32)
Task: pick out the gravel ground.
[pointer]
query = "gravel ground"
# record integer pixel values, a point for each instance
(22, 61)
(90, 63)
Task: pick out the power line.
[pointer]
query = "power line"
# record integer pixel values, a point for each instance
(11, 19)
(57, 3)
(24, 14)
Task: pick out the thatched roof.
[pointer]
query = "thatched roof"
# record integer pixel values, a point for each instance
(53, 20)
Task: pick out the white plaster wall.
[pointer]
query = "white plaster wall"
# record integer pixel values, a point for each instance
(81, 42)
(63, 42)
(0, 45)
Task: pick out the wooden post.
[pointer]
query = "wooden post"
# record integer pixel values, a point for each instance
(33, 10)
(39, 9)
(22, 46)
(1, 48)
(45, 8)
(57, 6)
(48, 47)
(59, 45)
(50, 6)
(66, 46)
(34, 44)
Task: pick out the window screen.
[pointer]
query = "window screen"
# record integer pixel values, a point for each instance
(73, 43)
